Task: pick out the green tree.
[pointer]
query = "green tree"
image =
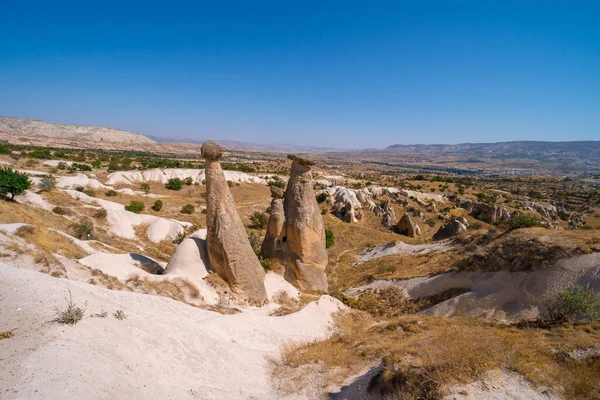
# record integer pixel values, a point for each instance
(329, 238)
(13, 183)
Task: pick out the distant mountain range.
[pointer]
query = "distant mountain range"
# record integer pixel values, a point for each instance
(34, 132)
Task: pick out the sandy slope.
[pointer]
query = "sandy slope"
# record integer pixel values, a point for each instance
(162, 350)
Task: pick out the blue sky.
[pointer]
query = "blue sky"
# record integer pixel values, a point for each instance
(322, 73)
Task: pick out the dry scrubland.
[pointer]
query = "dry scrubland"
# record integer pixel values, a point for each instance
(422, 356)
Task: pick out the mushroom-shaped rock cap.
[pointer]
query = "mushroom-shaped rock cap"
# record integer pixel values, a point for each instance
(211, 151)
(300, 160)
(276, 192)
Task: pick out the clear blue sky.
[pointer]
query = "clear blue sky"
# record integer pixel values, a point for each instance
(344, 74)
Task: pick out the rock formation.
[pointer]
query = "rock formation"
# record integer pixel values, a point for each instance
(190, 258)
(229, 250)
(271, 247)
(450, 229)
(492, 214)
(408, 227)
(304, 235)
(389, 216)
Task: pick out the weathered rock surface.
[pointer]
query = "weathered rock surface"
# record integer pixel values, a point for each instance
(272, 245)
(229, 250)
(492, 214)
(389, 216)
(406, 226)
(304, 234)
(450, 229)
(190, 258)
(467, 204)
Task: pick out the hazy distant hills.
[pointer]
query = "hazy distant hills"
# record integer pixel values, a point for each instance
(33, 129)
(519, 149)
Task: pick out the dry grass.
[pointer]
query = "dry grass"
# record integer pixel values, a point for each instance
(442, 351)
(14, 213)
(6, 335)
(51, 242)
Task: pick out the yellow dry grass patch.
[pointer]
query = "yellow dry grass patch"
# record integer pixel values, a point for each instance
(11, 212)
(450, 351)
(51, 242)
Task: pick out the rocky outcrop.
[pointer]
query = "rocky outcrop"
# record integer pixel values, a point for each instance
(272, 246)
(450, 229)
(492, 214)
(547, 211)
(304, 234)
(346, 205)
(466, 204)
(229, 250)
(190, 258)
(408, 227)
(389, 216)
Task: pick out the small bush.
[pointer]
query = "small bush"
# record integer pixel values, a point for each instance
(524, 221)
(101, 213)
(46, 185)
(135, 206)
(157, 206)
(573, 303)
(431, 222)
(83, 229)
(230, 183)
(278, 184)
(90, 192)
(255, 242)
(259, 220)
(174, 184)
(329, 238)
(25, 230)
(145, 187)
(70, 315)
(180, 237)
(111, 193)
(188, 181)
(59, 211)
(187, 209)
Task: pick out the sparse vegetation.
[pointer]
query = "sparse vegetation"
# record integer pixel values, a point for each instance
(71, 314)
(573, 303)
(187, 209)
(111, 193)
(101, 213)
(83, 229)
(524, 221)
(157, 206)
(174, 184)
(329, 238)
(259, 220)
(135, 206)
(119, 314)
(46, 185)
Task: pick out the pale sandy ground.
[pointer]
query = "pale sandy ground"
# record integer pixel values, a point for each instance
(162, 350)
(401, 248)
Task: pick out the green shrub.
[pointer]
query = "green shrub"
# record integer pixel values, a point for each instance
(181, 236)
(46, 185)
(135, 206)
(174, 184)
(259, 220)
(90, 192)
(4, 149)
(188, 181)
(187, 209)
(13, 183)
(157, 206)
(278, 184)
(83, 229)
(41, 154)
(329, 238)
(573, 303)
(111, 193)
(80, 188)
(431, 222)
(524, 221)
(145, 187)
